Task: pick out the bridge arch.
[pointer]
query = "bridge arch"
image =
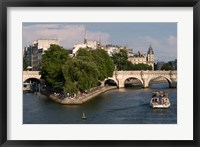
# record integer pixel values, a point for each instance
(31, 74)
(160, 76)
(32, 84)
(133, 77)
(111, 81)
(32, 79)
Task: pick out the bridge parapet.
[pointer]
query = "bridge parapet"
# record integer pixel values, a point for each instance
(31, 74)
(144, 72)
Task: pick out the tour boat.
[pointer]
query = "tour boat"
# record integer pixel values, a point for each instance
(160, 100)
(83, 116)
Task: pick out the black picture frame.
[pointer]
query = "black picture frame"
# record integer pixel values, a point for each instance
(4, 4)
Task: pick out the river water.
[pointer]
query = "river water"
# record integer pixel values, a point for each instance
(119, 106)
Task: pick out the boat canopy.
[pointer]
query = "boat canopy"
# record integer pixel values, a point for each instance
(159, 94)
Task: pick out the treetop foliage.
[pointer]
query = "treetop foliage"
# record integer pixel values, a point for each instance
(166, 66)
(80, 73)
(51, 66)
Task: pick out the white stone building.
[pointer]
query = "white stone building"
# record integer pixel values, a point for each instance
(45, 43)
(140, 57)
(111, 49)
(87, 44)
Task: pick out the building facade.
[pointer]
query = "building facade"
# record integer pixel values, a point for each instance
(140, 57)
(45, 43)
(87, 44)
(111, 49)
(33, 53)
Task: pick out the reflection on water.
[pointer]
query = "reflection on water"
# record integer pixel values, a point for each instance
(119, 106)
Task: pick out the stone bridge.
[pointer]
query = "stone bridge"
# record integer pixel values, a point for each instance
(31, 75)
(121, 76)
(144, 77)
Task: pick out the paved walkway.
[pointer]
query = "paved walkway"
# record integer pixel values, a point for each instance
(81, 99)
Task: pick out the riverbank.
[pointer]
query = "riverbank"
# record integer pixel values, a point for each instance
(79, 99)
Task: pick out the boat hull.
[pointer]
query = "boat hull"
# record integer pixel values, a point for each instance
(159, 106)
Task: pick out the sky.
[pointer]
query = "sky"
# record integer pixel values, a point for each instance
(137, 36)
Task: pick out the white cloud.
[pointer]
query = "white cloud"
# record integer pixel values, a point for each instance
(67, 34)
(172, 40)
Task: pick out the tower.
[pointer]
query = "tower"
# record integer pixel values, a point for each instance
(150, 57)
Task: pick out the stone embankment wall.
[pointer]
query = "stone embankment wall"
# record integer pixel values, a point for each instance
(81, 99)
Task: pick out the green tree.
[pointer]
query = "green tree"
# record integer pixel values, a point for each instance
(83, 74)
(101, 59)
(87, 69)
(104, 63)
(141, 66)
(70, 87)
(80, 73)
(166, 66)
(120, 59)
(84, 54)
(51, 66)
